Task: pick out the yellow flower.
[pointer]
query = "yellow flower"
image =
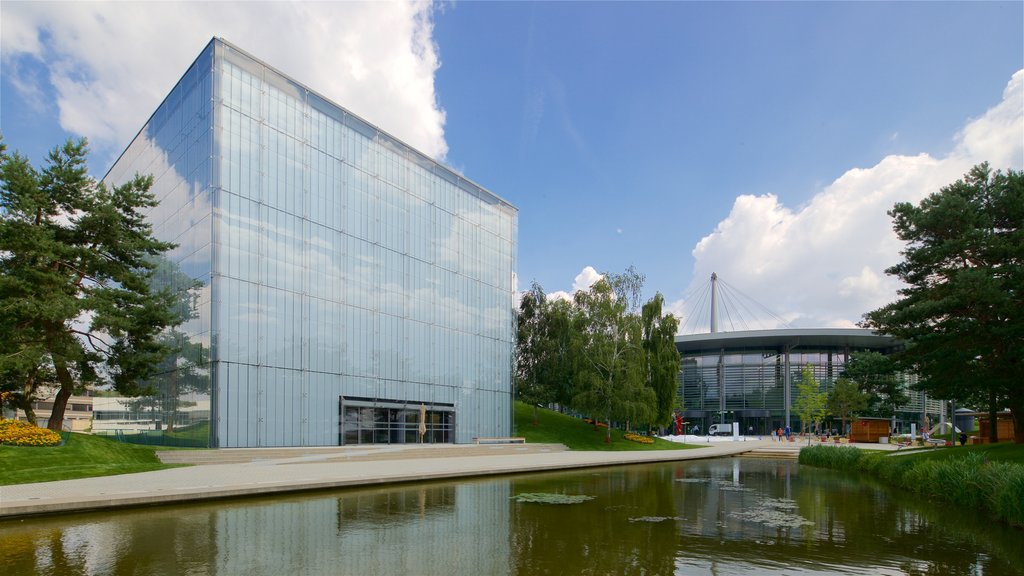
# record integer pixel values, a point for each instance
(18, 433)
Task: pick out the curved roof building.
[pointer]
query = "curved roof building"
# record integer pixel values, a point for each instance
(749, 376)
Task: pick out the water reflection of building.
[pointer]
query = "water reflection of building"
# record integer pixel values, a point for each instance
(750, 376)
(428, 529)
(116, 414)
(345, 279)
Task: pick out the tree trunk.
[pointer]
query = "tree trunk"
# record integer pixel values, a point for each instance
(25, 404)
(608, 432)
(993, 423)
(67, 386)
(536, 416)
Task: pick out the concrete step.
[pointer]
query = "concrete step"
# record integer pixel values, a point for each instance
(786, 453)
(345, 453)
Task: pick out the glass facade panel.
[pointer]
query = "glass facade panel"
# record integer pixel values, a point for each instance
(333, 260)
(748, 384)
(175, 147)
(383, 421)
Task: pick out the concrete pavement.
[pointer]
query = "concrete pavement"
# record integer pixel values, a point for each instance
(257, 471)
(296, 469)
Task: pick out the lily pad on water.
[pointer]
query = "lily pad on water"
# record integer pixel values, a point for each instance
(775, 513)
(654, 519)
(730, 488)
(547, 498)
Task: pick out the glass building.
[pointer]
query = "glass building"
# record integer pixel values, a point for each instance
(750, 376)
(338, 286)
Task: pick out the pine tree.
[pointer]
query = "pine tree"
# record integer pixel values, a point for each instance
(961, 308)
(76, 260)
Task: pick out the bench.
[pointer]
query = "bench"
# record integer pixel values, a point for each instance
(502, 440)
(936, 441)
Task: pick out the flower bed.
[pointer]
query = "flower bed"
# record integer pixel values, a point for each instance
(638, 438)
(18, 433)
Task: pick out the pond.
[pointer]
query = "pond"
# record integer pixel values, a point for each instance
(725, 516)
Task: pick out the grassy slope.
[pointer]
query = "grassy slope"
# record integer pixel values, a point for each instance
(577, 434)
(81, 456)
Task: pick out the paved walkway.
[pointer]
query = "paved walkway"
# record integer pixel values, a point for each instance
(268, 471)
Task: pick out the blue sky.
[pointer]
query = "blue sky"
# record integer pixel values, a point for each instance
(761, 140)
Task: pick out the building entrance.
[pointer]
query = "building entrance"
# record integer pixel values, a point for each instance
(382, 421)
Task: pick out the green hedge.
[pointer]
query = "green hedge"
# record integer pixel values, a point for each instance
(970, 480)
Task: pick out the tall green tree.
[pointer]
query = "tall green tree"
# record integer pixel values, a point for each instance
(529, 350)
(962, 309)
(661, 357)
(611, 384)
(76, 259)
(810, 399)
(879, 376)
(544, 353)
(846, 400)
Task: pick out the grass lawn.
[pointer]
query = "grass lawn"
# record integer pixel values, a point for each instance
(81, 456)
(1002, 452)
(555, 428)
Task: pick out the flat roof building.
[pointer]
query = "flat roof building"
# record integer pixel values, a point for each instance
(352, 290)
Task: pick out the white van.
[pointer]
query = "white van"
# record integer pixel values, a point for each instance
(720, 430)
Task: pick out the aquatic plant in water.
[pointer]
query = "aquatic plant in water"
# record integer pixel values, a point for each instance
(775, 513)
(732, 488)
(547, 498)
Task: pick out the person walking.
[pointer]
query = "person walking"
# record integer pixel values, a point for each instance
(788, 432)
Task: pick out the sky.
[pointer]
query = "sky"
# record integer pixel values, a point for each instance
(761, 141)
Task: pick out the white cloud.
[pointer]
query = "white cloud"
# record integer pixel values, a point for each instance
(112, 63)
(583, 281)
(822, 264)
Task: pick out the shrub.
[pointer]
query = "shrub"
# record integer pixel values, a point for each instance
(18, 433)
(835, 457)
(971, 481)
(1007, 500)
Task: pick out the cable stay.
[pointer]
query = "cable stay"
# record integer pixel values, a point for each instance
(719, 306)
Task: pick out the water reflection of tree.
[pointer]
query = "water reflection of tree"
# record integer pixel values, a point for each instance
(597, 536)
(185, 371)
(853, 524)
(172, 541)
(895, 525)
(167, 543)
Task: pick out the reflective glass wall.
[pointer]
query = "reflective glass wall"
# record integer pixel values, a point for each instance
(176, 148)
(753, 382)
(339, 262)
(347, 264)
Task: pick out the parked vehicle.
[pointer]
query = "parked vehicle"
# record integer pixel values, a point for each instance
(720, 430)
